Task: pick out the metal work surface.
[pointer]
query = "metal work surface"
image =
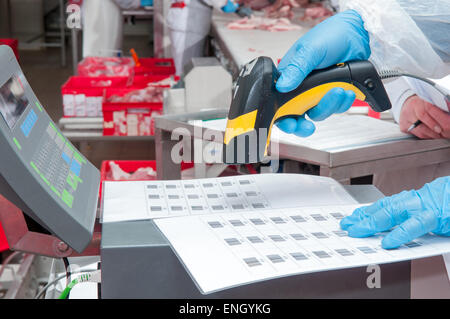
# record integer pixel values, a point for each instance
(343, 164)
(242, 46)
(138, 262)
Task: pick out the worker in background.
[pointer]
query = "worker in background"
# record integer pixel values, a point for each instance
(405, 35)
(189, 22)
(103, 23)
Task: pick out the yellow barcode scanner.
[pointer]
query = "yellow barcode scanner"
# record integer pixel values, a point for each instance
(257, 104)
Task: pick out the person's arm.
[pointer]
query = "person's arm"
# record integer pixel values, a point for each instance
(381, 31)
(414, 100)
(407, 215)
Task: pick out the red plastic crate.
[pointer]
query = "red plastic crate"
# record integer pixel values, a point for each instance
(83, 96)
(154, 66)
(128, 118)
(131, 167)
(13, 43)
(3, 242)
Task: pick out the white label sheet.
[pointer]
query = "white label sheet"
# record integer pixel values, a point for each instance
(124, 201)
(226, 250)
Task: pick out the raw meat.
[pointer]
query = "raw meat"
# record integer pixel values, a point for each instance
(142, 174)
(106, 66)
(283, 8)
(150, 94)
(259, 23)
(316, 13)
(153, 93)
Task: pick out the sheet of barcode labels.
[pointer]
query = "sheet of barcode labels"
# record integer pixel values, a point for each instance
(255, 227)
(248, 247)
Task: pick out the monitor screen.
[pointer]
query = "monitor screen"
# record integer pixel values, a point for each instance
(13, 101)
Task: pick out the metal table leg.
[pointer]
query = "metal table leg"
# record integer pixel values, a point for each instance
(165, 167)
(62, 30)
(74, 35)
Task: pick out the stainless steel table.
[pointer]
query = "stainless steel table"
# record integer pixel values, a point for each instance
(241, 46)
(342, 165)
(87, 135)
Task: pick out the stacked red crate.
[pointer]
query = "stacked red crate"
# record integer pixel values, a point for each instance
(13, 43)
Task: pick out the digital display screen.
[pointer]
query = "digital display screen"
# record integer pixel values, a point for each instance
(13, 101)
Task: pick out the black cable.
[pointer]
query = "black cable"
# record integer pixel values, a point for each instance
(68, 273)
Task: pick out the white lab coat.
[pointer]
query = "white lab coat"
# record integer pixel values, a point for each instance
(189, 27)
(102, 26)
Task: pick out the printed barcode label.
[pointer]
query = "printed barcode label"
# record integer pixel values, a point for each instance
(258, 205)
(275, 258)
(278, 220)
(232, 241)
(413, 244)
(252, 262)
(321, 254)
(257, 221)
(318, 217)
(337, 215)
(236, 222)
(320, 235)
(340, 233)
(298, 236)
(215, 224)
(366, 250)
(254, 239)
(299, 256)
(298, 219)
(344, 252)
(276, 238)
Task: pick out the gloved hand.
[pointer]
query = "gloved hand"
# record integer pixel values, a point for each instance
(230, 7)
(415, 213)
(146, 3)
(339, 38)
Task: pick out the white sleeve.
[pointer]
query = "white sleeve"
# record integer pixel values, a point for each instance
(218, 4)
(128, 4)
(398, 91)
(396, 42)
(402, 88)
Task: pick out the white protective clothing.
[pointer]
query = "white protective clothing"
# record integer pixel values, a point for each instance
(407, 35)
(102, 26)
(189, 26)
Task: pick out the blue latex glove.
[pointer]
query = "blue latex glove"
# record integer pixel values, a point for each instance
(146, 3)
(339, 38)
(415, 213)
(230, 7)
